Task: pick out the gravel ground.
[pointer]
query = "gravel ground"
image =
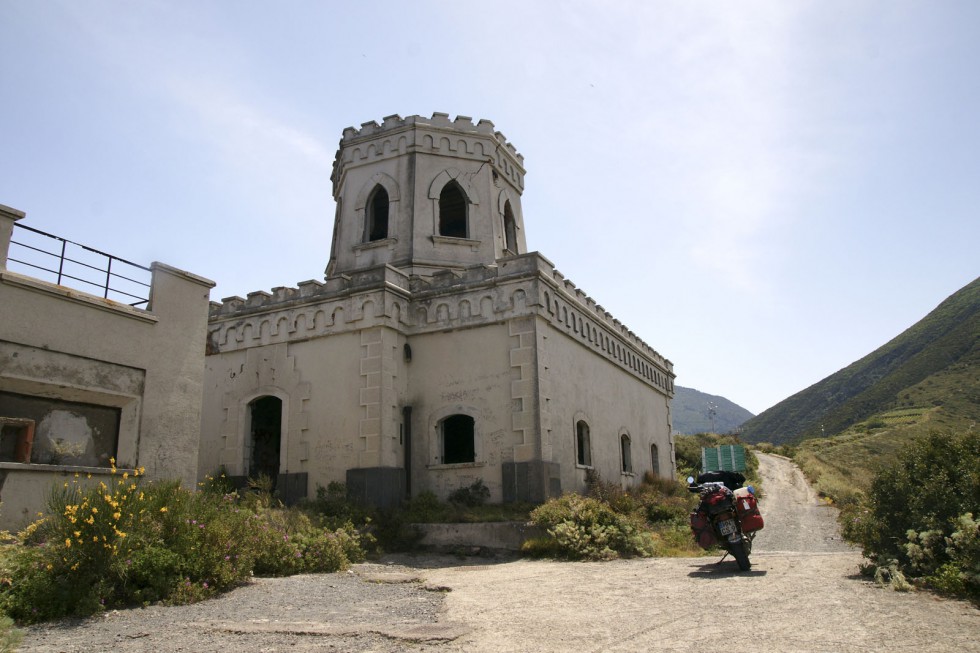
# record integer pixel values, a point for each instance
(802, 594)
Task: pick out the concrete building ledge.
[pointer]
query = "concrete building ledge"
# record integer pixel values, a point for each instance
(504, 536)
(77, 296)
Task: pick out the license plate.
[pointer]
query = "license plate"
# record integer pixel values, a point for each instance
(727, 527)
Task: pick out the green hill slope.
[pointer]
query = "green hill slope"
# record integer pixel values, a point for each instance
(931, 372)
(693, 411)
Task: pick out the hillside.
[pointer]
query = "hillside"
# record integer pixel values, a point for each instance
(694, 411)
(929, 376)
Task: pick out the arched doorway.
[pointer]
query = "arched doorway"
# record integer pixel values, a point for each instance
(265, 438)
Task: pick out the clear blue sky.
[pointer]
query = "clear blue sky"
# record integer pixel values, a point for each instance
(763, 191)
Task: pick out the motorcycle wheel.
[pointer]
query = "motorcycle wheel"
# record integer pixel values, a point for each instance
(740, 551)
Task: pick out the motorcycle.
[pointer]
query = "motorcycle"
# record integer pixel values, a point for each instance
(727, 515)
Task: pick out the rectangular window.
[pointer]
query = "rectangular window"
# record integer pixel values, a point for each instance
(65, 432)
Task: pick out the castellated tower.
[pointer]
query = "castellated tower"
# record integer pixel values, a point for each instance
(438, 352)
(424, 195)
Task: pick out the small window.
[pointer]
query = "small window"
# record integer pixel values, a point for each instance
(583, 445)
(510, 228)
(624, 445)
(655, 455)
(376, 215)
(458, 445)
(452, 211)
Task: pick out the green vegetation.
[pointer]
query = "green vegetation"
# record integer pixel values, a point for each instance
(687, 450)
(610, 522)
(137, 542)
(919, 518)
(932, 369)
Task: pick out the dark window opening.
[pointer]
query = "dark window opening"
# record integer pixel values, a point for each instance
(452, 211)
(583, 444)
(377, 215)
(624, 444)
(655, 454)
(510, 228)
(458, 444)
(266, 435)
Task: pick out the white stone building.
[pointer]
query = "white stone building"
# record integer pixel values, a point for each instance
(438, 351)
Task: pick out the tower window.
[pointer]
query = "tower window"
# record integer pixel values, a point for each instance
(458, 442)
(376, 215)
(452, 211)
(510, 228)
(583, 446)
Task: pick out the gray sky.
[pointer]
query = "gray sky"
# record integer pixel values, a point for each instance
(763, 191)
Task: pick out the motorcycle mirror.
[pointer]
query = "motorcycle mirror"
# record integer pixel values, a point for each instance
(690, 480)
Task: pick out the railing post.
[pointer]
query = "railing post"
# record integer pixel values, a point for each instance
(8, 217)
(108, 276)
(61, 259)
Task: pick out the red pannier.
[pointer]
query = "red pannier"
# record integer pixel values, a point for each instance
(748, 510)
(704, 535)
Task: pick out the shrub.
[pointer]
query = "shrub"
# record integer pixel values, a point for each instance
(473, 496)
(918, 516)
(138, 542)
(589, 529)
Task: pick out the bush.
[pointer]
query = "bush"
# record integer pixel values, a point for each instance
(918, 517)
(473, 496)
(584, 528)
(138, 542)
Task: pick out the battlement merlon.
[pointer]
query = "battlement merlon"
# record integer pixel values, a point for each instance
(440, 124)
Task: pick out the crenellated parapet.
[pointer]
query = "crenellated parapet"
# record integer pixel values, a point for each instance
(384, 296)
(459, 138)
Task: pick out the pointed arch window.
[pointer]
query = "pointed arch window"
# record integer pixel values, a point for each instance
(625, 445)
(655, 455)
(452, 211)
(510, 229)
(376, 215)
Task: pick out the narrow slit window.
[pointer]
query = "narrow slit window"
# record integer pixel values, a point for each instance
(583, 445)
(510, 228)
(624, 444)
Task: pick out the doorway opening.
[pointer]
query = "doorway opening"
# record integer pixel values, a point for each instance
(266, 438)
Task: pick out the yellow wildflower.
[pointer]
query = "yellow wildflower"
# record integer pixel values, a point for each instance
(163, 509)
(95, 510)
(68, 542)
(116, 515)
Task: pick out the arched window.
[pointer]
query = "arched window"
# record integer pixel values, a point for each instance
(452, 211)
(458, 441)
(655, 455)
(624, 445)
(510, 228)
(583, 445)
(376, 215)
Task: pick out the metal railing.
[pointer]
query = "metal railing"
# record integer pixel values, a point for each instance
(88, 268)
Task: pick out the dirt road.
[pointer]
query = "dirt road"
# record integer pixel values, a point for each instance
(802, 594)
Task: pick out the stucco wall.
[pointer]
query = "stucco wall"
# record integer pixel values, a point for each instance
(467, 371)
(576, 385)
(63, 344)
